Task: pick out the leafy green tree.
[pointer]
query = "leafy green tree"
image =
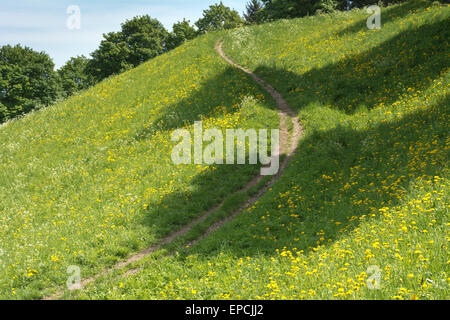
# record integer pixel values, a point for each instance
(253, 11)
(146, 38)
(182, 31)
(110, 58)
(140, 39)
(284, 9)
(219, 17)
(3, 113)
(73, 76)
(327, 5)
(362, 3)
(27, 80)
(343, 4)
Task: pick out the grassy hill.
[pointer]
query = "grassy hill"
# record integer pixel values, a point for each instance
(89, 181)
(367, 195)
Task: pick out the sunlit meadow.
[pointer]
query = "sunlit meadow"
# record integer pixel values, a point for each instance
(90, 181)
(362, 211)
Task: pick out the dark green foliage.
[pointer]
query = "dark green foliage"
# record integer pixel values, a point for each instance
(140, 39)
(253, 11)
(182, 31)
(362, 3)
(3, 112)
(27, 81)
(73, 76)
(328, 6)
(280, 9)
(286, 9)
(219, 17)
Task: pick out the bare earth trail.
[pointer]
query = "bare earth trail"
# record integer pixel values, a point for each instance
(288, 145)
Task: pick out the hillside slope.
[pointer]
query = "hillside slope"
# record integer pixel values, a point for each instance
(90, 181)
(362, 211)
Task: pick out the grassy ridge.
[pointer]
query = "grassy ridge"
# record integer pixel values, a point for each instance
(90, 180)
(366, 197)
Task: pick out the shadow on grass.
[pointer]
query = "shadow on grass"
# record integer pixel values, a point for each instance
(340, 173)
(207, 190)
(388, 15)
(218, 96)
(366, 163)
(371, 169)
(411, 60)
(384, 73)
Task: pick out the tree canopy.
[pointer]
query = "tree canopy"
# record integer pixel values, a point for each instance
(219, 17)
(279, 9)
(285, 9)
(253, 11)
(73, 76)
(140, 39)
(181, 32)
(27, 80)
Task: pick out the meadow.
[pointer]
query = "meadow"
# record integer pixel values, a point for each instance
(362, 211)
(90, 181)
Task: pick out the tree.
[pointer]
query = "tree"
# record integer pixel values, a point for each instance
(219, 17)
(27, 80)
(73, 76)
(285, 9)
(4, 114)
(347, 4)
(146, 38)
(110, 58)
(327, 6)
(181, 32)
(140, 39)
(253, 11)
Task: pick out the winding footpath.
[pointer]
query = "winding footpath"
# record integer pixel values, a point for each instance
(289, 142)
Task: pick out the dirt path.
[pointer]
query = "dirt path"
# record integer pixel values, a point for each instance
(288, 146)
(286, 114)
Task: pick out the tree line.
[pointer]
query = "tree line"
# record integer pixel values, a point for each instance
(268, 10)
(28, 80)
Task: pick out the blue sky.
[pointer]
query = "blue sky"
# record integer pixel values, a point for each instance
(42, 24)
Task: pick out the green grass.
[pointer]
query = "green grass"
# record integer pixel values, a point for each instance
(369, 185)
(90, 181)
